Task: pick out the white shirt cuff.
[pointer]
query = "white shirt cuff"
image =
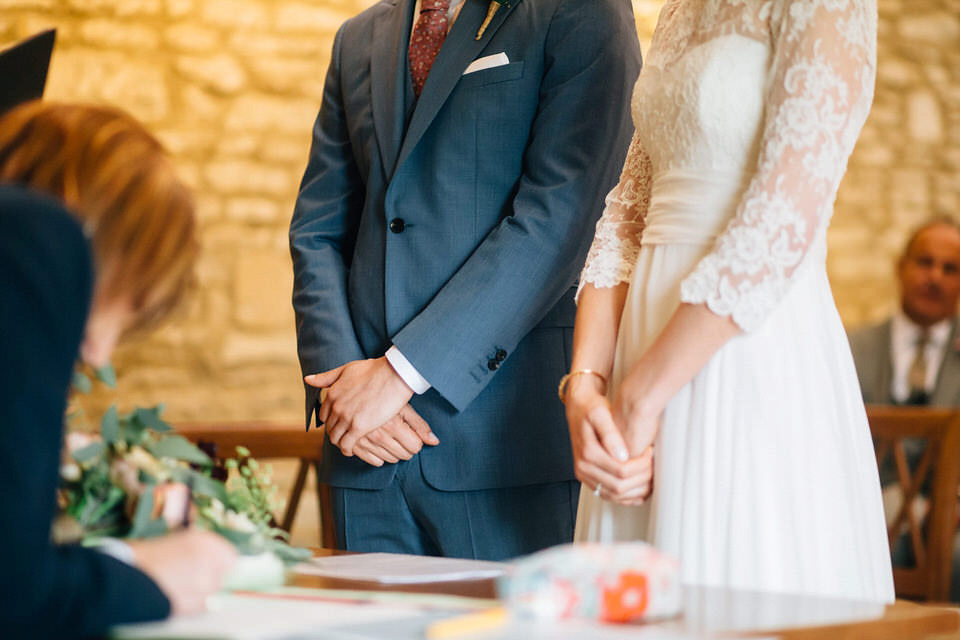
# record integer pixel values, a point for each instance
(116, 548)
(406, 371)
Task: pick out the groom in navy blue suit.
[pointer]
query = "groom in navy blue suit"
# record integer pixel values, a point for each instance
(441, 223)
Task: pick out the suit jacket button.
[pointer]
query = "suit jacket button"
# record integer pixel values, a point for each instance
(501, 355)
(397, 225)
(492, 364)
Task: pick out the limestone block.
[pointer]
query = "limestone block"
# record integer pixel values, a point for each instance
(937, 76)
(209, 208)
(247, 348)
(924, 119)
(189, 172)
(886, 111)
(221, 73)
(875, 155)
(257, 44)
(183, 141)
(28, 24)
(31, 5)
(951, 158)
(133, 83)
(940, 28)
(234, 13)
(262, 284)
(274, 114)
(238, 144)
(852, 239)
(910, 193)
(895, 73)
(247, 177)
(112, 7)
(947, 203)
(180, 8)
(104, 33)
(199, 106)
(291, 151)
(190, 36)
(300, 16)
(255, 210)
(855, 266)
(287, 74)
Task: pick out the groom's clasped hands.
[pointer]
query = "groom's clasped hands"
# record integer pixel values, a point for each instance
(366, 412)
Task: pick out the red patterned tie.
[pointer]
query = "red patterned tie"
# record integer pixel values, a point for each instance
(426, 40)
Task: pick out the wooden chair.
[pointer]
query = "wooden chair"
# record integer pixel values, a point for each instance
(266, 441)
(929, 534)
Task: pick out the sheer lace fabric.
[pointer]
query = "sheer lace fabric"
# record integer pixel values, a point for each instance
(773, 93)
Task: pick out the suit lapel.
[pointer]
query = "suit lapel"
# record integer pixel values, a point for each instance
(946, 391)
(885, 391)
(391, 33)
(459, 50)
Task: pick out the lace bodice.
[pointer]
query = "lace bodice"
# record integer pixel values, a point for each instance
(768, 93)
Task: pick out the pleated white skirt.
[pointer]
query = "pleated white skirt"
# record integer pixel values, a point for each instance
(765, 475)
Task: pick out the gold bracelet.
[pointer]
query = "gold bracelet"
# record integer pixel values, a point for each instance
(562, 387)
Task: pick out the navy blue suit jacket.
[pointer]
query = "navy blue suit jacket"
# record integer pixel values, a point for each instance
(45, 287)
(457, 234)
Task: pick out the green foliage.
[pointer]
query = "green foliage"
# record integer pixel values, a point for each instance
(113, 487)
(178, 447)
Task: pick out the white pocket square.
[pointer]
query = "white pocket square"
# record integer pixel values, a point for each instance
(488, 62)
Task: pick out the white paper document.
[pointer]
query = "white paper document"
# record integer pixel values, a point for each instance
(263, 617)
(398, 568)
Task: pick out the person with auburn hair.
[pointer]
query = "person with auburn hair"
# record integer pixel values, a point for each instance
(97, 238)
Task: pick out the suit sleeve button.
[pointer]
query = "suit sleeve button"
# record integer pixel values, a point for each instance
(397, 225)
(492, 364)
(501, 355)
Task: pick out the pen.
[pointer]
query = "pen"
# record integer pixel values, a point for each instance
(469, 623)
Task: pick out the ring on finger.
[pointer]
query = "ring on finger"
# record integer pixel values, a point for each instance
(597, 489)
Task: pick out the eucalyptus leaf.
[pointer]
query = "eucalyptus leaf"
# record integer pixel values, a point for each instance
(107, 375)
(145, 526)
(110, 425)
(289, 555)
(240, 539)
(150, 418)
(202, 485)
(115, 497)
(89, 453)
(132, 430)
(178, 448)
(144, 510)
(80, 382)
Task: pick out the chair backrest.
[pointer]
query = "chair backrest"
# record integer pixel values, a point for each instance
(930, 532)
(266, 441)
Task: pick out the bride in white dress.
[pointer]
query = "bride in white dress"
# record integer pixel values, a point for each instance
(706, 326)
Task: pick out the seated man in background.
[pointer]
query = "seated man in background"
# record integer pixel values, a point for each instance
(913, 357)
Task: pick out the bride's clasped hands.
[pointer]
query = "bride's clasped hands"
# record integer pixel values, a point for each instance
(612, 456)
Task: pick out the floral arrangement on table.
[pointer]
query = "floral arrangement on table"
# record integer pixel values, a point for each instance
(139, 479)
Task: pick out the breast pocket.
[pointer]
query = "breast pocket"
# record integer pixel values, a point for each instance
(504, 73)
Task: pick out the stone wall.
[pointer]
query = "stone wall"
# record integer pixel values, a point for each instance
(906, 166)
(232, 87)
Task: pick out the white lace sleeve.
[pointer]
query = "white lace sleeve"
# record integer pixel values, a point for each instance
(616, 243)
(820, 91)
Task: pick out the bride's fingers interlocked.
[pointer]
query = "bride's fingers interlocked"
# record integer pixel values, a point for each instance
(616, 487)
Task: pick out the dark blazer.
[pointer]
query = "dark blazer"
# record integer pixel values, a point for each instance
(45, 287)
(871, 354)
(458, 233)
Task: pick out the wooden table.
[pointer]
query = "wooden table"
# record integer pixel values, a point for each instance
(727, 613)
